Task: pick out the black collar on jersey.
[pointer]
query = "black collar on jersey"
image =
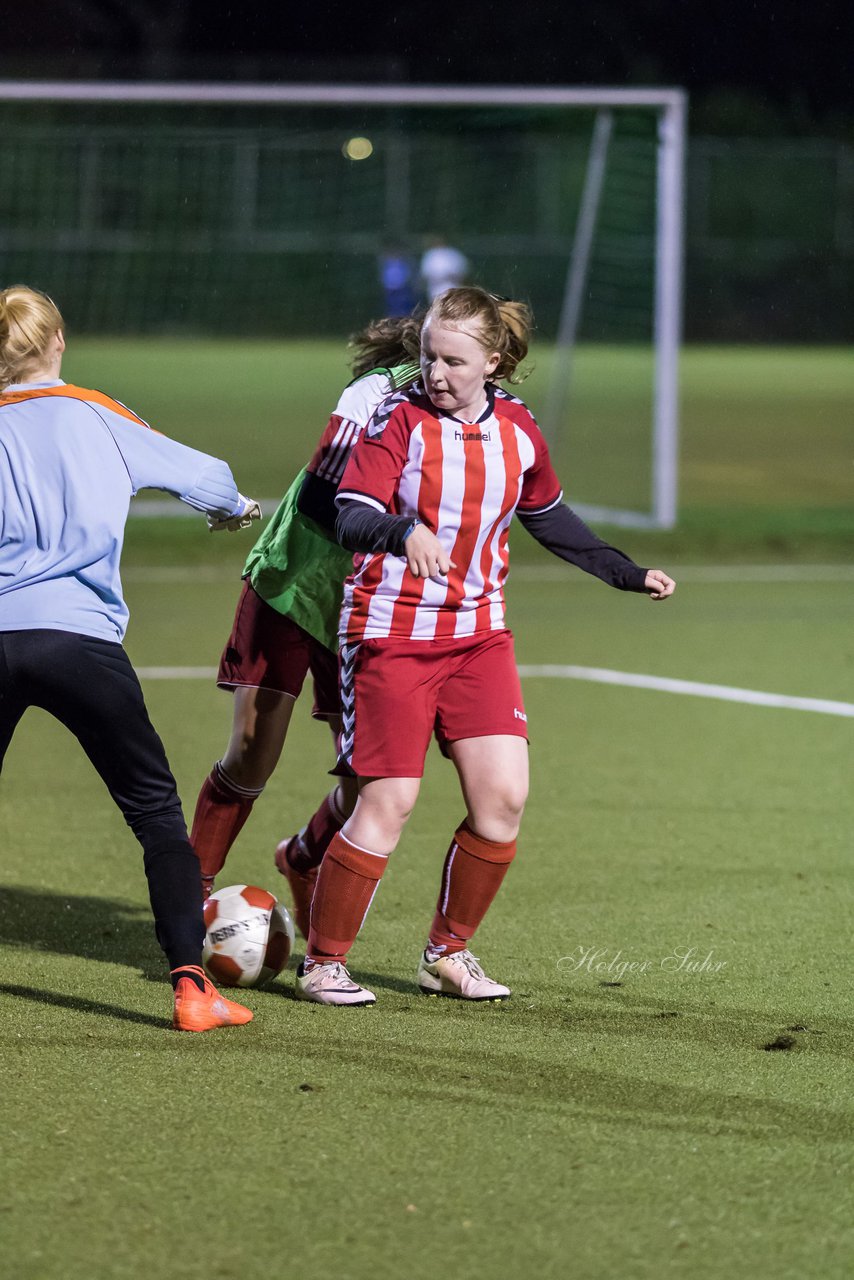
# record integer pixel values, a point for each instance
(489, 388)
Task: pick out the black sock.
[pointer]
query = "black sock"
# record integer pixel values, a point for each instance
(193, 972)
(175, 890)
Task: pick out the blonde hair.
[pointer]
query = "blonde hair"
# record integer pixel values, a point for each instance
(505, 325)
(28, 321)
(386, 343)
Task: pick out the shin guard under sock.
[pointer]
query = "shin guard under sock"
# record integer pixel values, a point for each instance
(471, 877)
(307, 850)
(221, 810)
(346, 884)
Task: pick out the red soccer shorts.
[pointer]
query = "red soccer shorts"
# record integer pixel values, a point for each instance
(396, 693)
(267, 650)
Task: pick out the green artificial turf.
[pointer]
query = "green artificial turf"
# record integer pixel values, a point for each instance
(690, 1121)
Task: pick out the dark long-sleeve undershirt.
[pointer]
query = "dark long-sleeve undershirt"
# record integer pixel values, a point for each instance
(316, 499)
(565, 534)
(360, 527)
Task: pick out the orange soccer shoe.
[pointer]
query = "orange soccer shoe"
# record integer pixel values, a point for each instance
(203, 1010)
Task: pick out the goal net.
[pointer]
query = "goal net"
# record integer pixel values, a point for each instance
(265, 210)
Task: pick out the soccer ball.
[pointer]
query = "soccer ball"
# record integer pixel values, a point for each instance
(249, 936)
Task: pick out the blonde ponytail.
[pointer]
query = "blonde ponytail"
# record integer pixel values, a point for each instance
(28, 321)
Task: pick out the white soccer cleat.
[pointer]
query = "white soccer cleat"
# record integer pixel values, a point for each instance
(330, 984)
(458, 975)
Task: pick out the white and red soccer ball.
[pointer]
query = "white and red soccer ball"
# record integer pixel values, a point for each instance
(249, 936)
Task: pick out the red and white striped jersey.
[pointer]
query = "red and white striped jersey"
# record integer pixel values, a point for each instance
(464, 482)
(352, 413)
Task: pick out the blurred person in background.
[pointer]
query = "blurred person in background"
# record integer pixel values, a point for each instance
(70, 461)
(397, 279)
(442, 267)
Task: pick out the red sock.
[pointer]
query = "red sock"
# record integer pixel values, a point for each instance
(312, 842)
(221, 810)
(472, 875)
(346, 883)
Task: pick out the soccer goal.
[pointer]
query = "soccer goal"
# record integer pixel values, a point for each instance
(205, 209)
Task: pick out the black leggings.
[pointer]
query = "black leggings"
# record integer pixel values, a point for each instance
(90, 686)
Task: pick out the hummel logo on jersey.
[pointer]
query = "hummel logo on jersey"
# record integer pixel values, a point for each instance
(472, 435)
(520, 715)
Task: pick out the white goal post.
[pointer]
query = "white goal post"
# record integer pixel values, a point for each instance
(666, 235)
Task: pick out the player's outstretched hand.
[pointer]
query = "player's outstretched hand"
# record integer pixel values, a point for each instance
(659, 585)
(250, 510)
(425, 555)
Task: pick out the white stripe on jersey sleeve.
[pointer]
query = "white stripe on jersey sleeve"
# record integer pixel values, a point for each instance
(538, 511)
(352, 496)
(338, 453)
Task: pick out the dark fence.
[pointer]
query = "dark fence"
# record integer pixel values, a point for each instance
(260, 229)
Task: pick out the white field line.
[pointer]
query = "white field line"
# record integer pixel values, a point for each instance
(694, 688)
(600, 675)
(159, 507)
(701, 573)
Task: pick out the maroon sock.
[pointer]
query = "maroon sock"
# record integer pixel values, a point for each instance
(312, 842)
(471, 877)
(346, 883)
(221, 810)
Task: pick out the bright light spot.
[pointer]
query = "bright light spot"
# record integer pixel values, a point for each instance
(358, 148)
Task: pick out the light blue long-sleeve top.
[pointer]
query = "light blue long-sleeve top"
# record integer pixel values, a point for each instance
(70, 462)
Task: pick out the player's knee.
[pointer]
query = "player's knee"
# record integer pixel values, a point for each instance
(378, 821)
(392, 815)
(498, 816)
(511, 797)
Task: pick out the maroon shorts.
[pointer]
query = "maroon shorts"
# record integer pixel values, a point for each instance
(266, 650)
(396, 693)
